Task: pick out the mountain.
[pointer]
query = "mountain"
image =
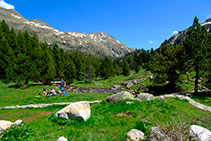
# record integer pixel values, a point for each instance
(99, 43)
(180, 37)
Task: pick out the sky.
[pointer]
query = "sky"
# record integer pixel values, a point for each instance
(136, 23)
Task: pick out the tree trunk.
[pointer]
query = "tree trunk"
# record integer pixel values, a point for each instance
(196, 79)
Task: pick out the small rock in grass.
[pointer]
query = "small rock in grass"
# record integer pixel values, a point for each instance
(162, 99)
(62, 139)
(200, 133)
(144, 97)
(18, 122)
(5, 124)
(121, 96)
(135, 135)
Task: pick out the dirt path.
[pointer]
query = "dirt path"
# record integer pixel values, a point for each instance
(37, 116)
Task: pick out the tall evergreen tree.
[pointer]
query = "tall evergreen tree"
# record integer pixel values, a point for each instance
(197, 49)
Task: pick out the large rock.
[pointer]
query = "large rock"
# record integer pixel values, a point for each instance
(135, 135)
(199, 133)
(121, 96)
(157, 134)
(77, 110)
(145, 97)
(62, 139)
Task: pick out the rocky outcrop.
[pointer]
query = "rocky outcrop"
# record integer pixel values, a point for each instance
(157, 134)
(144, 97)
(191, 101)
(135, 135)
(199, 133)
(121, 96)
(78, 110)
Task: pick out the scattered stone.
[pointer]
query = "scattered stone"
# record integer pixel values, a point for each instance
(121, 96)
(144, 97)
(116, 86)
(135, 135)
(129, 84)
(98, 84)
(162, 99)
(62, 139)
(78, 110)
(200, 133)
(157, 134)
(18, 122)
(129, 102)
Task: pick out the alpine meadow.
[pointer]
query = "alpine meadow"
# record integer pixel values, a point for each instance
(63, 86)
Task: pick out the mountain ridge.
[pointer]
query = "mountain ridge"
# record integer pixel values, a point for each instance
(180, 37)
(98, 43)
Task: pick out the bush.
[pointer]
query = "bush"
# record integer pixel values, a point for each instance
(16, 132)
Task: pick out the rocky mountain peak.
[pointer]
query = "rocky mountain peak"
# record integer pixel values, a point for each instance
(99, 43)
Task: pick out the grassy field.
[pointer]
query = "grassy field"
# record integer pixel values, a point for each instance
(109, 121)
(108, 83)
(10, 96)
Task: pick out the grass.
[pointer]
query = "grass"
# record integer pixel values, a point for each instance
(108, 83)
(16, 96)
(109, 121)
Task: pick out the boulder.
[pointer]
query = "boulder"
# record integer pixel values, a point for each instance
(121, 96)
(157, 134)
(62, 139)
(200, 133)
(162, 99)
(5, 124)
(145, 97)
(78, 110)
(135, 135)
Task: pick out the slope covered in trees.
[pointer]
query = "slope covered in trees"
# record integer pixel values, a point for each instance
(23, 58)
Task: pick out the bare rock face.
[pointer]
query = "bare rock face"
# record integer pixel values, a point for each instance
(144, 97)
(157, 134)
(78, 110)
(199, 133)
(121, 96)
(135, 135)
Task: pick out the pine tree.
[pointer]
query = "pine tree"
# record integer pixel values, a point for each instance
(197, 49)
(126, 69)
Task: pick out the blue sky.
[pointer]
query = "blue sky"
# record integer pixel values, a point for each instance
(137, 23)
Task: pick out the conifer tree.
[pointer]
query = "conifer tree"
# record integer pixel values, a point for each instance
(197, 49)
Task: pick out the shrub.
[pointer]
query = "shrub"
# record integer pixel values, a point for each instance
(16, 132)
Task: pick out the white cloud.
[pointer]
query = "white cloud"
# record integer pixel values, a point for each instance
(175, 32)
(5, 5)
(151, 42)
